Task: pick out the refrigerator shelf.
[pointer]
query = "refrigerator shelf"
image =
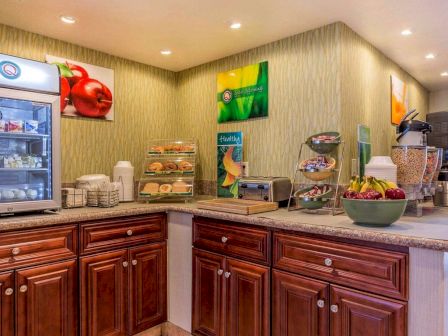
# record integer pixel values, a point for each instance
(23, 136)
(23, 169)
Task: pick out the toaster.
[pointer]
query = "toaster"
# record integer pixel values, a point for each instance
(264, 188)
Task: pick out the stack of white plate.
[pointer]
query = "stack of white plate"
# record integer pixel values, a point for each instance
(124, 175)
(382, 167)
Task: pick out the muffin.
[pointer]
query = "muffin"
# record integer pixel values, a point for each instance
(151, 187)
(181, 187)
(185, 166)
(165, 188)
(155, 166)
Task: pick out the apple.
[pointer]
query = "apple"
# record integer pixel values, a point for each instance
(78, 73)
(395, 193)
(65, 92)
(91, 98)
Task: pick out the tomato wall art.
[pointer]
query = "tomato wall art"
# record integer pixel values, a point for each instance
(86, 90)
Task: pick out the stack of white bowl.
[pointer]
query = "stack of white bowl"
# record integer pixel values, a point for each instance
(382, 167)
(124, 174)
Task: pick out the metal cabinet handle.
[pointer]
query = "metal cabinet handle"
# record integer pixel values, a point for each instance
(224, 239)
(125, 264)
(9, 291)
(334, 308)
(134, 262)
(220, 272)
(23, 288)
(320, 303)
(129, 232)
(227, 274)
(15, 251)
(328, 262)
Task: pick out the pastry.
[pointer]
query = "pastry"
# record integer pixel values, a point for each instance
(158, 149)
(170, 165)
(155, 166)
(165, 188)
(181, 187)
(187, 148)
(185, 166)
(151, 187)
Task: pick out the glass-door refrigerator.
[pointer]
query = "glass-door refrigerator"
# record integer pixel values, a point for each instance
(29, 136)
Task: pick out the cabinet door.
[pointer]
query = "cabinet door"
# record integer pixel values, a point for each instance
(104, 293)
(248, 299)
(47, 300)
(7, 304)
(299, 305)
(354, 313)
(208, 294)
(148, 286)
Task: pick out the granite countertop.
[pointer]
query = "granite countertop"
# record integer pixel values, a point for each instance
(430, 231)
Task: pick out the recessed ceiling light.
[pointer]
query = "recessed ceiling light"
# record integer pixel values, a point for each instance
(444, 74)
(166, 52)
(406, 32)
(430, 56)
(235, 25)
(68, 19)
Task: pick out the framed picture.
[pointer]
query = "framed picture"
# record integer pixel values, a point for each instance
(243, 93)
(86, 90)
(399, 99)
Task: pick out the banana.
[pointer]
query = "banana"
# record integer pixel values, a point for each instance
(366, 185)
(384, 184)
(391, 185)
(377, 186)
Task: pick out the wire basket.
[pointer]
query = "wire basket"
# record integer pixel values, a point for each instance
(102, 199)
(73, 198)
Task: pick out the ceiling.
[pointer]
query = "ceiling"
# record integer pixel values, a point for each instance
(197, 31)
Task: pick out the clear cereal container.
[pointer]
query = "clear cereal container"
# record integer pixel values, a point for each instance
(172, 147)
(156, 188)
(172, 166)
(431, 165)
(435, 178)
(411, 164)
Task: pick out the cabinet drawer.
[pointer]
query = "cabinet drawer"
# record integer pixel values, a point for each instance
(232, 239)
(370, 269)
(30, 247)
(122, 232)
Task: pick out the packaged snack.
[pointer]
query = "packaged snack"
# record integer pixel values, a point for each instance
(15, 126)
(31, 126)
(3, 125)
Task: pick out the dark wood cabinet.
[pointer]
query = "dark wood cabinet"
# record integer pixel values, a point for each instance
(7, 303)
(208, 300)
(299, 306)
(104, 285)
(354, 313)
(47, 300)
(230, 297)
(248, 297)
(147, 286)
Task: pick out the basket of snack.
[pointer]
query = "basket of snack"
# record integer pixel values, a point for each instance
(318, 168)
(169, 188)
(157, 166)
(324, 143)
(172, 147)
(314, 197)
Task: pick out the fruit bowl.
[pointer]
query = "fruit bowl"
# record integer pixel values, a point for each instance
(324, 146)
(374, 212)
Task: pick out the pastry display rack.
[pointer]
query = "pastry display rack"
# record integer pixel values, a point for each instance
(322, 170)
(169, 171)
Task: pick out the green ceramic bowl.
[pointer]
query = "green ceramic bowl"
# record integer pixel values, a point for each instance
(374, 212)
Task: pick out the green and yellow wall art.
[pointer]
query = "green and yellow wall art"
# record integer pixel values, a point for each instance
(243, 93)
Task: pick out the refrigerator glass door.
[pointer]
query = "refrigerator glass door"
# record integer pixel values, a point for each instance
(29, 145)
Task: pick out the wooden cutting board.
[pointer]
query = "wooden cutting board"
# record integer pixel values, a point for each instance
(237, 206)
